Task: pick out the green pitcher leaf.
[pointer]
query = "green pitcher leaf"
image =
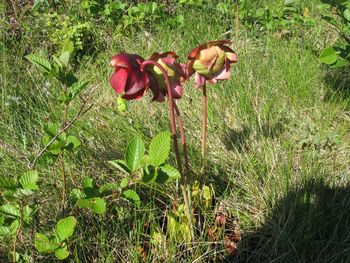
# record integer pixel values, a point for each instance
(159, 148)
(29, 179)
(65, 228)
(134, 152)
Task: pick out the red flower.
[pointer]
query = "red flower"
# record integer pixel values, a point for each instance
(211, 61)
(128, 77)
(176, 74)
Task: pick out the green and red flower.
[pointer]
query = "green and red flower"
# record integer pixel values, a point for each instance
(175, 72)
(211, 62)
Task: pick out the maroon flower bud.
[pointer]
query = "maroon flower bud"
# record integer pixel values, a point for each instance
(128, 77)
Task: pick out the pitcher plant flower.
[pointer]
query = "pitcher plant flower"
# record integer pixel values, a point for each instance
(128, 78)
(175, 72)
(211, 62)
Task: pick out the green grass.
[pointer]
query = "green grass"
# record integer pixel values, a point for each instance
(278, 144)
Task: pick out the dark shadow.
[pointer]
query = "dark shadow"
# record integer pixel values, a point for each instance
(338, 84)
(311, 224)
(236, 139)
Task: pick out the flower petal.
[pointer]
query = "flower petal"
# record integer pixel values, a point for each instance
(134, 96)
(118, 80)
(199, 81)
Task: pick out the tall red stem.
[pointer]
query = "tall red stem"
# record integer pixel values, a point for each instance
(183, 142)
(204, 131)
(171, 108)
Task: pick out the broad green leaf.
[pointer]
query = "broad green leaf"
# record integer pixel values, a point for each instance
(28, 211)
(124, 182)
(122, 104)
(40, 61)
(29, 179)
(346, 14)
(22, 192)
(2, 220)
(159, 148)
(107, 188)
(328, 56)
(75, 89)
(64, 58)
(14, 227)
(65, 228)
(62, 253)
(134, 152)
(10, 210)
(149, 174)
(120, 165)
(68, 46)
(131, 196)
(72, 143)
(43, 244)
(167, 173)
(90, 188)
(51, 128)
(97, 205)
(4, 231)
(76, 194)
(7, 183)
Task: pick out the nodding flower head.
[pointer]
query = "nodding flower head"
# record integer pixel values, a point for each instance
(128, 78)
(175, 72)
(211, 61)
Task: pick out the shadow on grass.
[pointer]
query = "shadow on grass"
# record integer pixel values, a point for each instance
(338, 83)
(311, 224)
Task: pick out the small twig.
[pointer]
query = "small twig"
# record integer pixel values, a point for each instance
(62, 130)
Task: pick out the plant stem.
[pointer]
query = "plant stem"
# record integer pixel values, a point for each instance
(183, 142)
(204, 133)
(173, 130)
(171, 109)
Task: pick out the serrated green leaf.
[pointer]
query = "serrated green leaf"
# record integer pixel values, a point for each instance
(10, 210)
(120, 165)
(346, 14)
(124, 182)
(64, 58)
(43, 244)
(22, 192)
(97, 205)
(28, 211)
(149, 174)
(134, 152)
(167, 173)
(51, 128)
(76, 194)
(40, 61)
(75, 89)
(90, 188)
(108, 187)
(159, 148)
(62, 253)
(131, 196)
(72, 143)
(328, 56)
(65, 228)
(4, 231)
(14, 227)
(29, 179)
(7, 183)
